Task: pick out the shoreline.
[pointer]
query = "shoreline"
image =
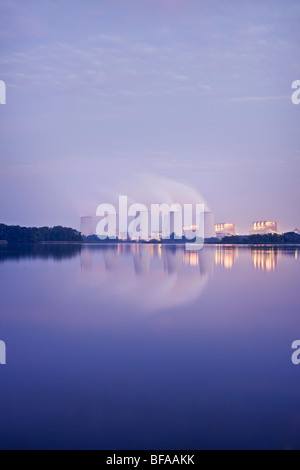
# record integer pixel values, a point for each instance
(277, 245)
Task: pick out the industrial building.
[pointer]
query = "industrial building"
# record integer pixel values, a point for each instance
(264, 227)
(225, 230)
(209, 227)
(86, 226)
(166, 224)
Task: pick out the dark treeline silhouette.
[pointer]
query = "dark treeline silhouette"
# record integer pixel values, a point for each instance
(39, 251)
(172, 240)
(271, 238)
(17, 234)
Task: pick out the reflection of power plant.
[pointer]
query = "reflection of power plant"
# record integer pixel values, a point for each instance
(265, 260)
(111, 259)
(173, 259)
(206, 262)
(141, 260)
(191, 258)
(86, 259)
(160, 276)
(226, 257)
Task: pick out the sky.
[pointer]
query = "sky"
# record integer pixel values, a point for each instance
(154, 99)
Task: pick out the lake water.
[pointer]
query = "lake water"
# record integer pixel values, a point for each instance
(149, 347)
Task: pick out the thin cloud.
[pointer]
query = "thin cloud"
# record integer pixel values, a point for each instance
(257, 98)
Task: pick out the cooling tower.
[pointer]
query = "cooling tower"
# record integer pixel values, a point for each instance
(86, 226)
(209, 225)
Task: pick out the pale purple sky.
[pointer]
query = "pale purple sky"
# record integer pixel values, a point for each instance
(104, 95)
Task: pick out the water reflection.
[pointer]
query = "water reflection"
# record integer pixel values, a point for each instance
(265, 260)
(105, 358)
(191, 258)
(159, 276)
(172, 259)
(226, 256)
(47, 251)
(154, 276)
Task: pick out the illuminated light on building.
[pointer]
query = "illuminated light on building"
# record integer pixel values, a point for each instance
(265, 260)
(209, 227)
(225, 230)
(156, 236)
(190, 231)
(86, 226)
(264, 227)
(191, 227)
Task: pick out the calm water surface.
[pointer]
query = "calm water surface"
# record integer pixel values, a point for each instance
(150, 347)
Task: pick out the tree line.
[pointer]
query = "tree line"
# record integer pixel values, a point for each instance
(17, 234)
(271, 238)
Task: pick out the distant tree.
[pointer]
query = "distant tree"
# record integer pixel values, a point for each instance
(17, 234)
(271, 238)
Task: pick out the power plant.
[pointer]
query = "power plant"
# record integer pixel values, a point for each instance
(264, 228)
(225, 230)
(139, 227)
(167, 223)
(86, 226)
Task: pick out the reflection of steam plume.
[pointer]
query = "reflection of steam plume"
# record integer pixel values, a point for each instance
(172, 258)
(174, 278)
(206, 262)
